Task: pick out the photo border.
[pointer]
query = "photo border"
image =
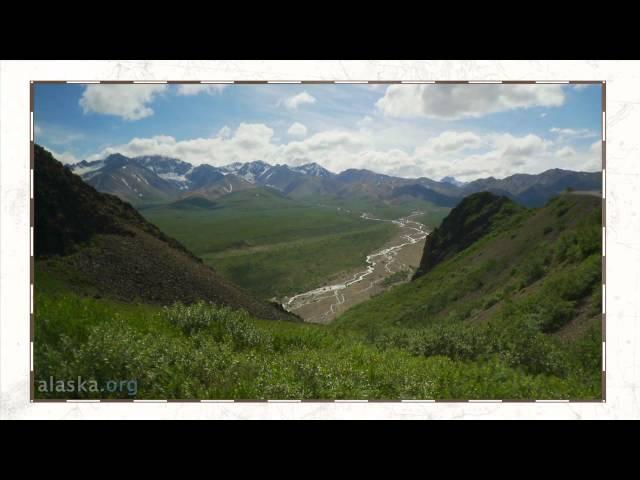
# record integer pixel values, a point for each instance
(32, 84)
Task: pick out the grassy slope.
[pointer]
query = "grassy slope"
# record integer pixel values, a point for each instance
(216, 353)
(276, 246)
(528, 292)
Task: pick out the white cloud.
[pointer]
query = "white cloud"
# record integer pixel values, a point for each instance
(566, 152)
(463, 101)
(130, 102)
(292, 103)
(526, 146)
(573, 132)
(247, 143)
(497, 155)
(64, 157)
(297, 130)
(334, 149)
(224, 132)
(452, 141)
(196, 89)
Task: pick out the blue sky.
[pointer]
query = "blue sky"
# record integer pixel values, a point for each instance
(467, 131)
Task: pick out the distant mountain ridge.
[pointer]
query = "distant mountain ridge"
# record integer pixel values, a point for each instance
(155, 178)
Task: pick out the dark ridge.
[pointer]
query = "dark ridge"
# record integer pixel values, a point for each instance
(471, 219)
(68, 212)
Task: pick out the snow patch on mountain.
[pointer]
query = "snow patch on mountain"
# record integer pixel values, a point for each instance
(313, 169)
(173, 176)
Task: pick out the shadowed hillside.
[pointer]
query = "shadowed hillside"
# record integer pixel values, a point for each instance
(467, 222)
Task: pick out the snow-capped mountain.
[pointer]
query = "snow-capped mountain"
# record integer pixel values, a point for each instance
(250, 171)
(170, 178)
(170, 169)
(155, 178)
(314, 170)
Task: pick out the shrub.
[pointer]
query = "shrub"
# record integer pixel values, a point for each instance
(193, 318)
(576, 283)
(551, 314)
(532, 269)
(223, 323)
(578, 244)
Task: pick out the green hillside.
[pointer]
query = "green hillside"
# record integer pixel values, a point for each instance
(527, 291)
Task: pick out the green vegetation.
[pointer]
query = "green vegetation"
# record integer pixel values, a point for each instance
(397, 277)
(275, 246)
(294, 267)
(533, 303)
(203, 351)
(515, 315)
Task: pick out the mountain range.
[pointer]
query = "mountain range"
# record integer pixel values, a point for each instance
(159, 179)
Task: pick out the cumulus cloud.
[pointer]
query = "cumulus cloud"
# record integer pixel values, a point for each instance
(452, 141)
(253, 136)
(297, 130)
(130, 102)
(525, 146)
(292, 103)
(452, 102)
(196, 89)
(247, 143)
(565, 152)
(333, 149)
(501, 155)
